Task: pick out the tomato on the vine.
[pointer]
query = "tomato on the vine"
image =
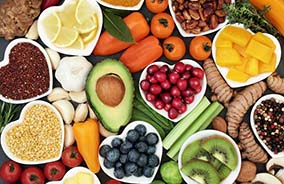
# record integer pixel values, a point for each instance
(71, 157)
(32, 175)
(156, 6)
(174, 48)
(162, 25)
(54, 171)
(10, 171)
(113, 182)
(200, 47)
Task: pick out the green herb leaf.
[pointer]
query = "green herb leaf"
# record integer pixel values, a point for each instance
(115, 26)
(8, 113)
(121, 13)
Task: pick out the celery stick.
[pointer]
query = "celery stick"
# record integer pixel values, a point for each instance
(181, 127)
(202, 122)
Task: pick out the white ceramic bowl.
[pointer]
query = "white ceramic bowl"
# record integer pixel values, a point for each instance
(130, 8)
(224, 70)
(133, 179)
(72, 172)
(70, 51)
(202, 135)
(6, 62)
(252, 123)
(190, 107)
(185, 34)
(19, 121)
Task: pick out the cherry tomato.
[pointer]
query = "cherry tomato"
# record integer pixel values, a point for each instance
(71, 157)
(200, 47)
(54, 171)
(162, 25)
(174, 48)
(156, 6)
(47, 3)
(113, 182)
(32, 175)
(10, 171)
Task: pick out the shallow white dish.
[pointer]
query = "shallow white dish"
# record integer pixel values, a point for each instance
(130, 8)
(6, 62)
(70, 51)
(19, 121)
(185, 34)
(133, 179)
(224, 70)
(202, 135)
(190, 107)
(252, 123)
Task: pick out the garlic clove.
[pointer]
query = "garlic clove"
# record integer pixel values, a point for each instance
(69, 138)
(57, 94)
(81, 113)
(92, 113)
(33, 32)
(54, 58)
(66, 110)
(78, 97)
(280, 175)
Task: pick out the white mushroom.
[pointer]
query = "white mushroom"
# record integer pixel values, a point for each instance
(66, 110)
(78, 97)
(81, 113)
(104, 132)
(280, 175)
(91, 113)
(69, 137)
(72, 73)
(57, 94)
(54, 58)
(266, 178)
(275, 163)
(32, 32)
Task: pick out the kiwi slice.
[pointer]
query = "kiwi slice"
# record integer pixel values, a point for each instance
(222, 150)
(201, 171)
(223, 171)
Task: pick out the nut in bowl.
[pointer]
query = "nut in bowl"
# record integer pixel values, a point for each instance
(173, 90)
(72, 28)
(131, 5)
(209, 156)
(37, 137)
(267, 122)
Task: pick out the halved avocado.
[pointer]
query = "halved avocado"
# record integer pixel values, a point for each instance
(110, 92)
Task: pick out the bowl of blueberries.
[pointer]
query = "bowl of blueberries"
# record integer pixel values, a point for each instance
(134, 155)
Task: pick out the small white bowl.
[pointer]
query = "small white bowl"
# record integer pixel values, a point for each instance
(130, 8)
(133, 179)
(190, 107)
(70, 51)
(19, 121)
(72, 172)
(224, 70)
(6, 62)
(203, 135)
(252, 122)
(185, 34)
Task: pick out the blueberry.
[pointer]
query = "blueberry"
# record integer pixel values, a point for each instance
(118, 165)
(141, 129)
(152, 139)
(133, 155)
(153, 161)
(116, 142)
(123, 158)
(151, 150)
(142, 160)
(142, 139)
(132, 135)
(108, 164)
(113, 155)
(104, 149)
(130, 168)
(126, 147)
(148, 172)
(118, 173)
(139, 172)
(141, 147)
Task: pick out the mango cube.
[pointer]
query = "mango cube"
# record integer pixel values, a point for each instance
(242, 67)
(236, 75)
(262, 38)
(84, 178)
(270, 67)
(237, 35)
(221, 42)
(259, 51)
(252, 66)
(241, 50)
(227, 57)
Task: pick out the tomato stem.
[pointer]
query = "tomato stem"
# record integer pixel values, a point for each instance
(169, 47)
(54, 171)
(11, 167)
(164, 22)
(33, 177)
(206, 47)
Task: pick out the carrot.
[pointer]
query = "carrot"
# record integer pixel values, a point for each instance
(87, 137)
(138, 56)
(108, 44)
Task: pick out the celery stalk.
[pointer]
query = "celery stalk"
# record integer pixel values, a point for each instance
(181, 127)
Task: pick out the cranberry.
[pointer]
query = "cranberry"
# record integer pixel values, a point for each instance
(187, 92)
(175, 91)
(145, 85)
(198, 72)
(165, 68)
(153, 80)
(159, 104)
(155, 89)
(189, 99)
(172, 113)
(194, 82)
(150, 97)
(179, 67)
(177, 103)
(167, 107)
(182, 84)
(166, 85)
(197, 89)
(188, 67)
(160, 76)
(148, 77)
(152, 69)
(173, 77)
(186, 75)
(182, 109)
(166, 97)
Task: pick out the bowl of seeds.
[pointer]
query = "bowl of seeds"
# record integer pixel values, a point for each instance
(36, 137)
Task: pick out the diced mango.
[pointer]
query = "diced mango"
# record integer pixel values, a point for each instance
(252, 66)
(262, 38)
(236, 75)
(270, 67)
(259, 51)
(84, 178)
(242, 67)
(221, 42)
(227, 57)
(241, 50)
(237, 35)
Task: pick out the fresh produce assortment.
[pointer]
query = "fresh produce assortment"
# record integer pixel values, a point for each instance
(92, 83)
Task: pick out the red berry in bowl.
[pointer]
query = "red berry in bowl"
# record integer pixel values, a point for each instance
(172, 113)
(197, 89)
(182, 84)
(165, 68)
(189, 99)
(159, 104)
(145, 85)
(160, 76)
(150, 97)
(177, 103)
(198, 72)
(152, 69)
(179, 67)
(182, 109)
(188, 67)
(187, 92)
(167, 107)
(194, 83)
(166, 85)
(186, 75)
(155, 89)
(166, 97)
(153, 80)
(175, 91)
(173, 77)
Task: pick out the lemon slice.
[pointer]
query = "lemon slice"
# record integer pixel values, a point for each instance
(67, 16)
(87, 26)
(87, 37)
(66, 37)
(52, 26)
(83, 11)
(78, 44)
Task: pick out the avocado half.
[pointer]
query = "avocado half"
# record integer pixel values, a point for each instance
(111, 117)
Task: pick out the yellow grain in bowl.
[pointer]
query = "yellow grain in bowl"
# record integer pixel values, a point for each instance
(126, 3)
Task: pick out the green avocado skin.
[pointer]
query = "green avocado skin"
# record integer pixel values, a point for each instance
(158, 182)
(112, 118)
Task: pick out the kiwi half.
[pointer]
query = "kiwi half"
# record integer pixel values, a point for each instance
(201, 171)
(223, 171)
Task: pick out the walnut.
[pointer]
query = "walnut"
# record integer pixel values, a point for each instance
(16, 16)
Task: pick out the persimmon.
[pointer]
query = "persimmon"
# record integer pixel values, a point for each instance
(174, 48)
(200, 47)
(162, 25)
(156, 6)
